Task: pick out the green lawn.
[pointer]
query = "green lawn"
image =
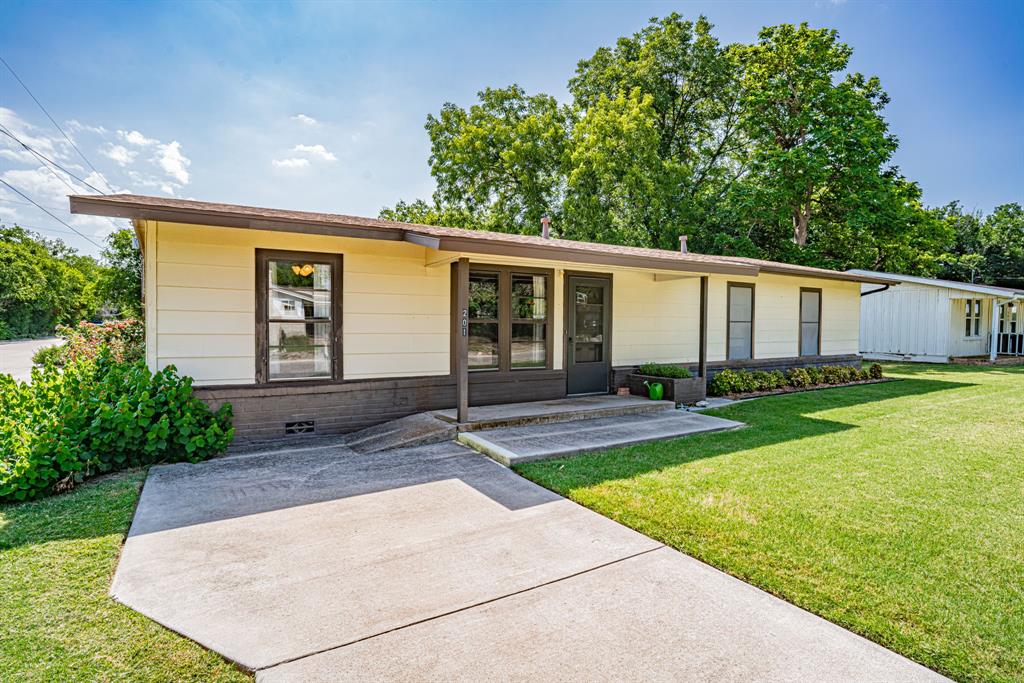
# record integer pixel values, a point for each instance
(57, 622)
(895, 509)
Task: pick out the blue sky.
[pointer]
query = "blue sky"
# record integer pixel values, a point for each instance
(321, 106)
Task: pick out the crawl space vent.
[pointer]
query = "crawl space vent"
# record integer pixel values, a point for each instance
(300, 427)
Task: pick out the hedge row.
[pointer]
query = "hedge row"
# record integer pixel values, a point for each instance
(750, 381)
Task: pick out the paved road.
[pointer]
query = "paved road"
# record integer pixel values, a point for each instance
(16, 356)
(435, 563)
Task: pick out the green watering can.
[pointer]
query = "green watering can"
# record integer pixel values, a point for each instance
(656, 391)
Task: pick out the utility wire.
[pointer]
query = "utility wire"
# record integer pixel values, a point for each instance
(51, 215)
(22, 83)
(18, 201)
(42, 157)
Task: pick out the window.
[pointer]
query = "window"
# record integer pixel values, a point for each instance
(810, 322)
(740, 331)
(508, 319)
(1008, 319)
(483, 321)
(298, 311)
(972, 318)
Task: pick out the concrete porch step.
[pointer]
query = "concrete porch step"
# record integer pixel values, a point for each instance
(511, 445)
(569, 409)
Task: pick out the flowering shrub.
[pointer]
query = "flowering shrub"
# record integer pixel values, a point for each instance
(750, 381)
(125, 339)
(97, 415)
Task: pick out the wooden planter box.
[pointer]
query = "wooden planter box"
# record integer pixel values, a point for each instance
(688, 390)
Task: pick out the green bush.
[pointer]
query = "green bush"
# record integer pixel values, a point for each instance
(798, 377)
(750, 381)
(99, 415)
(126, 340)
(665, 370)
(50, 355)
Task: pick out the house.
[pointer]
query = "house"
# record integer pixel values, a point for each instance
(934, 321)
(308, 321)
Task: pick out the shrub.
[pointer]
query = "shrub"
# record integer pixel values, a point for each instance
(875, 371)
(664, 370)
(49, 355)
(99, 415)
(798, 377)
(726, 382)
(125, 339)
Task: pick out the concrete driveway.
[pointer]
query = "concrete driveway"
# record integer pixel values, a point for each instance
(320, 564)
(16, 356)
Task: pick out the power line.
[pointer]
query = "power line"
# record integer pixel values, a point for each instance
(6, 131)
(15, 201)
(22, 83)
(51, 215)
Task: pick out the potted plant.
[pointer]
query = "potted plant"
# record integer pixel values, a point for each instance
(679, 383)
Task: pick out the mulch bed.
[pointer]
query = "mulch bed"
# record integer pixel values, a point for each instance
(813, 387)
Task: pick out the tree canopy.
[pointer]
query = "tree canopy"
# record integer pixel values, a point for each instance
(773, 149)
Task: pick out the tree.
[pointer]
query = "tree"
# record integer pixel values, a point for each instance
(43, 283)
(814, 142)
(500, 162)
(121, 285)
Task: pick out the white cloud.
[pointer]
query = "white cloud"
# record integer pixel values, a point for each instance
(173, 162)
(136, 138)
(75, 126)
(291, 163)
(305, 120)
(318, 151)
(119, 153)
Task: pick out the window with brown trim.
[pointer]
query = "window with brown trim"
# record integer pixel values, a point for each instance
(972, 318)
(509, 326)
(740, 330)
(298, 316)
(810, 322)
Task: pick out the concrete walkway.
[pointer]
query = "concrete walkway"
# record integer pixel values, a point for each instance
(435, 563)
(511, 445)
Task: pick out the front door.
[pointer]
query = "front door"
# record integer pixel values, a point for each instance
(587, 325)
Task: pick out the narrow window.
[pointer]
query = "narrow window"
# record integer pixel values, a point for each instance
(740, 332)
(298, 316)
(529, 321)
(972, 318)
(483, 321)
(810, 322)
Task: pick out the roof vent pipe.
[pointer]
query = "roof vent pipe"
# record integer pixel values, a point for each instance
(682, 243)
(545, 227)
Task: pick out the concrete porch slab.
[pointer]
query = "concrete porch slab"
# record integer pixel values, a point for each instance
(657, 616)
(555, 410)
(513, 445)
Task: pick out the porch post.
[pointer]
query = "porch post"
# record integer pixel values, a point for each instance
(993, 345)
(702, 361)
(462, 340)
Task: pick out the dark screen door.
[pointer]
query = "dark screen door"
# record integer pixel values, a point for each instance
(588, 358)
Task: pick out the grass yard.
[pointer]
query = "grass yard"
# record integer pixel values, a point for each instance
(57, 622)
(895, 509)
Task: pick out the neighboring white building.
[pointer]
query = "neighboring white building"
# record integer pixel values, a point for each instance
(931, 321)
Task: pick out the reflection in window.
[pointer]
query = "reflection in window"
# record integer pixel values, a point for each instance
(741, 322)
(529, 321)
(483, 321)
(810, 322)
(299, 320)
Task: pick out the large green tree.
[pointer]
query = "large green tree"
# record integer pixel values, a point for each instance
(121, 286)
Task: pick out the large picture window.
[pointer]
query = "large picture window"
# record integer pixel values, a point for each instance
(298, 315)
(810, 322)
(740, 331)
(508, 319)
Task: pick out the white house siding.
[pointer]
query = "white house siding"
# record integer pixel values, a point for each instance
(654, 320)
(959, 343)
(906, 321)
(200, 293)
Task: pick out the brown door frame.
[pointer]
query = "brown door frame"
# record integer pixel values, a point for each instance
(567, 306)
(728, 316)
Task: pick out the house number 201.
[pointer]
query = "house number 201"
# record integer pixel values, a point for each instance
(465, 322)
